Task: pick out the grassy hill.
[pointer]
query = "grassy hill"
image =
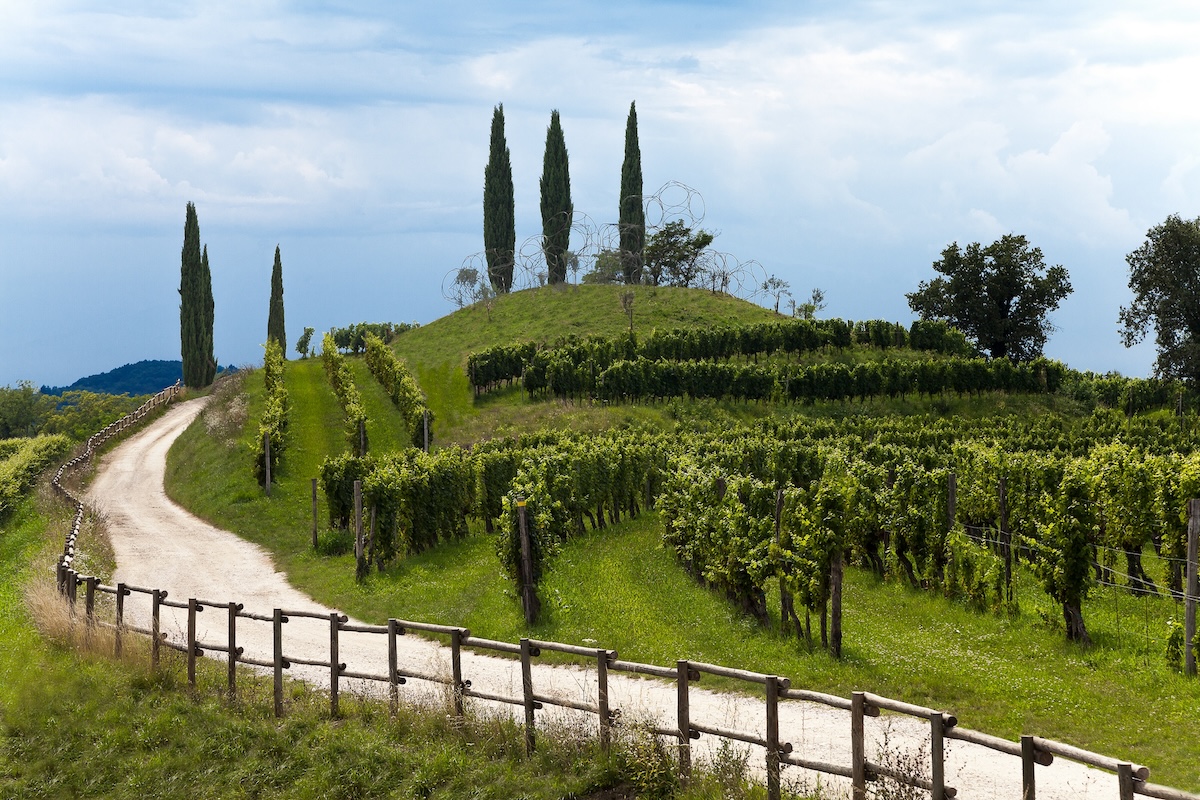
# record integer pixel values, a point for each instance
(1005, 675)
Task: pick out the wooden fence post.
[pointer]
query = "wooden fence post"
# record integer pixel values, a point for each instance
(277, 625)
(120, 627)
(193, 607)
(1125, 781)
(89, 603)
(937, 743)
(1028, 762)
(773, 783)
(1192, 589)
(314, 505)
(267, 461)
(527, 693)
(156, 599)
(683, 714)
(393, 678)
(456, 669)
(602, 699)
(334, 672)
(234, 608)
(858, 750)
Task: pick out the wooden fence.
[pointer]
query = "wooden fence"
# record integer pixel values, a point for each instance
(1031, 750)
(94, 443)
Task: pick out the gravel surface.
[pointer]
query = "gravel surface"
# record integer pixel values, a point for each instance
(160, 545)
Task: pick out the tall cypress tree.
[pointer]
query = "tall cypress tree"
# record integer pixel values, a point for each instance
(191, 314)
(632, 220)
(275, 328)
(557, 209)
(499, 215)
(206, 308)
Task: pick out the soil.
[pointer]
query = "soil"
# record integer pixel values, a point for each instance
(160, 545)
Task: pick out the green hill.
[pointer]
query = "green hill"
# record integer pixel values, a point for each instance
(621, 587)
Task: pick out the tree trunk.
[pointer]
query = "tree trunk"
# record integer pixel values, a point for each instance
(1076, 630)
(1139, 581)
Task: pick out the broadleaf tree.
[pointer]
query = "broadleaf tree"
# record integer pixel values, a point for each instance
(499, 214)
(1164, 275)
(557, 209)
(195, 307)
(675, 254)
(999, 296)
(632, 219)
(276, 332)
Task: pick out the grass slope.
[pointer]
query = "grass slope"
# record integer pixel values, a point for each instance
(621, 589)
(437, 352)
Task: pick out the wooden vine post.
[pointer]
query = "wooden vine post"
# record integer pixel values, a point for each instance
(1192, 589)
(425, 421)
(1006, 539)
(835, 601)
(314, 506)
(360, 551)
(267, 462)
(529, 600)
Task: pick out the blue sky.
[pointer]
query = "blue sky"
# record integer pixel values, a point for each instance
(839, 145)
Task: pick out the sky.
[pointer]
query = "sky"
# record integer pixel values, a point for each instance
(835, 145)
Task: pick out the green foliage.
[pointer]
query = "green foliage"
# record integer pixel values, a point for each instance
(140, 378)
(557, 209)
(276, 330)
(499, 213)
(1162, 276)
(997, 295)
(342, 381)
(353, 338)
(274, 421)
(674, 254)
(1064, 561)
(302, 344)
(631, 219)
(396, 380)
(22, 461)
(195, 307)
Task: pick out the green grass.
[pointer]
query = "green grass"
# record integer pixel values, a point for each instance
(437, 352)
(620, 589)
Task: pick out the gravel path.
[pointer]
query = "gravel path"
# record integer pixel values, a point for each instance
(159, 545)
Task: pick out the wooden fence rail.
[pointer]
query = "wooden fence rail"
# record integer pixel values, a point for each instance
(1033, 751)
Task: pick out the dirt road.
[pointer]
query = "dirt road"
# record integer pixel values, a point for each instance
(159, 545)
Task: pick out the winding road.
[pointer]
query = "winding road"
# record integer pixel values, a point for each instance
(160, 545)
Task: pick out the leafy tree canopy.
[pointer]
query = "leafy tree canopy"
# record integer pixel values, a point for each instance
(608, 268)
(998, 296)
(674, 254)
(1164, 274)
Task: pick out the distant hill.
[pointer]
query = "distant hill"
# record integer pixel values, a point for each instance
(144, 377)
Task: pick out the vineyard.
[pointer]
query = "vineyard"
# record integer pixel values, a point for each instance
(1055, 493)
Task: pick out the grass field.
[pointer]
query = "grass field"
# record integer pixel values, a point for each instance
(77, 724)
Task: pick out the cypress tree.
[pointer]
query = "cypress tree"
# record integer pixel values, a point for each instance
(191, 315)
(557, 209)
(206, 308)
(632, 219)
(275, 328)
(499, 215)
